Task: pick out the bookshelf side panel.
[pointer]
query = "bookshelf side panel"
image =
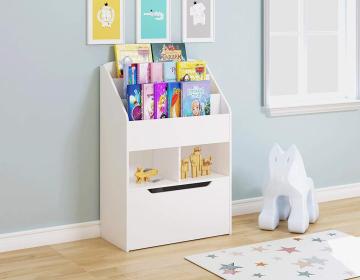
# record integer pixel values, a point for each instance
(113, 164)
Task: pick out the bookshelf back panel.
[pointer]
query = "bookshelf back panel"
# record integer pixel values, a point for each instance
(165, 160)
(220, 154)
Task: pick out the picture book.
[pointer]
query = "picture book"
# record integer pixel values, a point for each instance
(147, 91)
(169, 69)
(135, 53)
(174, 100)
(195, 99)
(168, 51)
(156, 72)
(130, 75)
(191, 70)
(133, 94)
(143, 73)
(160, 101)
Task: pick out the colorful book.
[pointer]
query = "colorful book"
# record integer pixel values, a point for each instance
(168, 51)
(195, 98)
(191, 71)
(143, 73)
(156, 72)
(130, 75)
(132, 53)
(169, 69)
(147, 91)
(174, 100)
(133, 94)
(160, 101)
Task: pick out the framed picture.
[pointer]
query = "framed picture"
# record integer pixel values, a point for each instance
(153, 21)
(198, 20)
(105, 22)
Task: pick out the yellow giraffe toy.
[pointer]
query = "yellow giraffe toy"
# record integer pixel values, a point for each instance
(185, 169)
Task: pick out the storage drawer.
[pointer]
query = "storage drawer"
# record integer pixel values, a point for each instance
(167, 133)
(174, 216)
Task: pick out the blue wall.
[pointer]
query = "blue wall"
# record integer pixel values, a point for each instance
(49, 111)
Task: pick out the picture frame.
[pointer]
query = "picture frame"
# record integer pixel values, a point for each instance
(153, 23)
(105, 22)
(198, 21)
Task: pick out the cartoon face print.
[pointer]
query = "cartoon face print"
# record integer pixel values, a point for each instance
(150, 108)
(197, 11)
(106, 16)
(196, 108)
(162, 106)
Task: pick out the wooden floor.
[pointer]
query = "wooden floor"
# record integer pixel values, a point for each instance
(97, 259)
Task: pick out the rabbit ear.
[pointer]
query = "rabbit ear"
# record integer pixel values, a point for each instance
(275, 153)
(292, 152)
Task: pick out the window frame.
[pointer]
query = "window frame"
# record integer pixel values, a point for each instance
(304, 104)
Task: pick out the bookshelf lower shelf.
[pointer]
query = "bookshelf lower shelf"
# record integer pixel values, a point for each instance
(171, 183)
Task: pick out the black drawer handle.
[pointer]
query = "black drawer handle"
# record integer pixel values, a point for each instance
(180, 187)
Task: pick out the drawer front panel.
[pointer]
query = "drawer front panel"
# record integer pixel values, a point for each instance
(173, 216)
(167, 133)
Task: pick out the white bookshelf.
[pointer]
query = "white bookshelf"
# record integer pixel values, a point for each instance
(172, 210)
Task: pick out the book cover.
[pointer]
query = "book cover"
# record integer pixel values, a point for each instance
(169, 71)
(156, 72)
(168, 51)
(134, 53)
(133, 94)
(174, 100)
(143, 73)
(195, 98)
(191, 70)
(160, 101)
(147, 91)
(130, 75)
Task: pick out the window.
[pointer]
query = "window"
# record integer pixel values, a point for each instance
(310, 56)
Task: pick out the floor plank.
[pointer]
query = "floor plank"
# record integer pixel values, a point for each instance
(96, 259)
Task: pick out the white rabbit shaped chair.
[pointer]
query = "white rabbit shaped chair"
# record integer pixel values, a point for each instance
(289, 193)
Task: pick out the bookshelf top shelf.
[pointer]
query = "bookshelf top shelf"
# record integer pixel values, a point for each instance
(165, 133)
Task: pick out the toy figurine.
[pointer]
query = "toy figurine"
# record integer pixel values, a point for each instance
(184, 169)
(206, 167)
(196, 162)
(194, 173)
(197, 152)
(144, 175)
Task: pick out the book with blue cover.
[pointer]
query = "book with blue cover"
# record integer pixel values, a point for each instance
(195, 98)
(133, 94)
(169, 71)
(174, 100)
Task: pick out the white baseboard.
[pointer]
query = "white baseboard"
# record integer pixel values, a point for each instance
(48, 236)
(253, 205)
(75, 232)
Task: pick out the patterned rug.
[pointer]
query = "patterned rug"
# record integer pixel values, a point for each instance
(303, 257)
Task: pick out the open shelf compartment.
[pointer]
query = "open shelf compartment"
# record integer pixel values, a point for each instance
(166, 161)
(220, 155)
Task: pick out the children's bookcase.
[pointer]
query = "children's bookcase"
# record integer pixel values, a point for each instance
(172, 210)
